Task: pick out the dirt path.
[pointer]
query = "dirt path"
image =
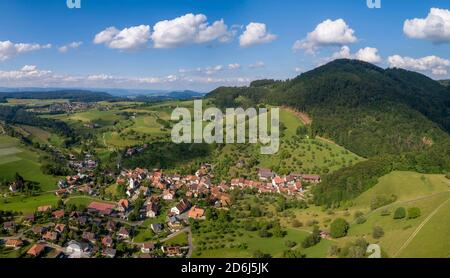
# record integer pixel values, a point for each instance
(419, 228)
(305, 118)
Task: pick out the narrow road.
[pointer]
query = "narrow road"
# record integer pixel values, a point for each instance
(413, 235)
(191, 245)
(185, 230)
(189, 232)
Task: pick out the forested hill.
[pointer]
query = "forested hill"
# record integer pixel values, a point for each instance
(367, 109)
(74, 95)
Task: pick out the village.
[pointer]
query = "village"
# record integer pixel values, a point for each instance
(106, 229)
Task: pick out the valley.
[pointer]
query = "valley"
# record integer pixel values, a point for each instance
(344, 177)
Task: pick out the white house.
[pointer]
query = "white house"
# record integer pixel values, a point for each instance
(168, 195)
(131, 184)
(78, 249)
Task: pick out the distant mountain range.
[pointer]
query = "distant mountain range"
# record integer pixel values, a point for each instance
(96, 94)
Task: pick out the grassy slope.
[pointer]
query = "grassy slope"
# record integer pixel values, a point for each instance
(30, 204)
(15, 157)
(406, 186)
(306, 155)
(432, 240)
(427, 192)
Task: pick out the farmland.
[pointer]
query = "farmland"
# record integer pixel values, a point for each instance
(15, 157)
(430, 193)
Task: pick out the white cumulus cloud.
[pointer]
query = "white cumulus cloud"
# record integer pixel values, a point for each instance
(27, 72)
(255, 33)
(188, 29)
(234, 66)
(327, 33)
(9, 49)
(435, 27)
(126, 39)
(429, 64)
(367, 54)
(72, 45)
(257, 65)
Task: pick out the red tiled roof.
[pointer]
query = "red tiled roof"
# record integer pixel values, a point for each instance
(58, 213)
(14, 242)
(124, 203)
(101, 206)
(196, 212)
(44, 208)
(36, 249)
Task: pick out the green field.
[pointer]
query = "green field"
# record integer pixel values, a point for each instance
(15, 157)
(424, 236)
(28, 204)
(274, 246)
(406, 186)
(432, 240)
(34, 102)
(81, 200)
(180, 240)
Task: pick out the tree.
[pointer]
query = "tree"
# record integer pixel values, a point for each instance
(356, 249)
(377, 232)
(260, 255)
(290, 243)
(413, 212)
(255, 212)
(264, 233)
(339, 228)
(293, 254)
(312, 239)
(278, 232)
(400, 213)
(281, 202)
(296, 223)
(60, 204)
(360, 220)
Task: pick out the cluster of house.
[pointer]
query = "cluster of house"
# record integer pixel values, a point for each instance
(141, 181)
(69, 107)
(81, 182)
(135, 150)
(88, 164)
(109, 233)
(270, 182)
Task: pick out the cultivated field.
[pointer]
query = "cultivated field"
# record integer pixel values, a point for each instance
(15, 157)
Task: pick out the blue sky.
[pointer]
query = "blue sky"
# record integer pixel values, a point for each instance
(158, 45)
